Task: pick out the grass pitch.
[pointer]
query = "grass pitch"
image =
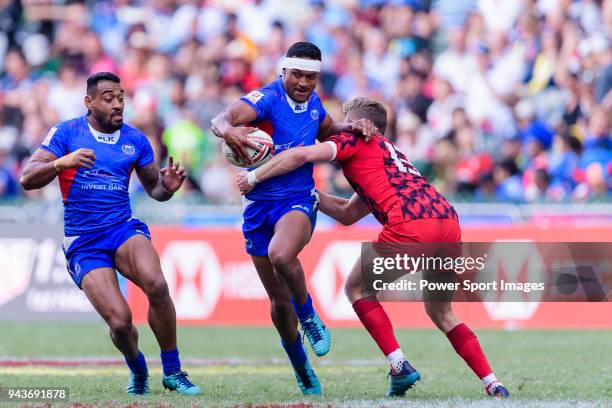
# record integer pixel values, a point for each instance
(246, 366)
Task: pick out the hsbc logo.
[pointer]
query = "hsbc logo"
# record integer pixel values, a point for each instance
(515, 262)
(17, 258)
(329, 277)
(193, 273)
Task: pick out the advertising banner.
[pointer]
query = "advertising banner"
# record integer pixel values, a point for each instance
(213, 281)
(34, 283)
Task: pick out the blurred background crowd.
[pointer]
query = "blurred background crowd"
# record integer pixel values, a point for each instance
(493, 100)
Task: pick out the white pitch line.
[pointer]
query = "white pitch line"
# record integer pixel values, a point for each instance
(469, 403)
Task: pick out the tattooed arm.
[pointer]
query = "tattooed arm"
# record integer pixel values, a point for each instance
(43, 166)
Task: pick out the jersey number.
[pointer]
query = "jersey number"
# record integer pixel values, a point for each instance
(402, 163)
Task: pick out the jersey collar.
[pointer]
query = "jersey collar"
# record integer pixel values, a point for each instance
(296, 106)
(107, 138)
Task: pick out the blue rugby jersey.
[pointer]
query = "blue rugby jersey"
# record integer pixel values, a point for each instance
(98, 197)
(290, 124)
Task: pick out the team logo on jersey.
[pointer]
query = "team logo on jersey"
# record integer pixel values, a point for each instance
(297, 107)
(314, 114)
(101, 173)
(128, 149)
(254, 96)
(106, 138)
(49, 136)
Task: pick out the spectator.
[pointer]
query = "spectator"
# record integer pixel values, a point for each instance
(186, 142)
(439, 114)
(414, 138)
(467, 83)
(8, 184)
(538, 191)
(95, 57)
(563, 163)
(595, 186)
(411, 92)
(456, 64)
(508, 182)
(597, 144)
(66, 95)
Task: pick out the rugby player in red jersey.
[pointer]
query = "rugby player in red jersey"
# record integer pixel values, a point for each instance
(410, 210)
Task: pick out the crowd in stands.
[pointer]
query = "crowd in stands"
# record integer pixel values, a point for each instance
(492, 100)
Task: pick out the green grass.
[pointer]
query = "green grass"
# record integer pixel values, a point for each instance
(540, 368)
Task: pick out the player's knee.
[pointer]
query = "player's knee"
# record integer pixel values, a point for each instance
(438, 312)
(121, 325)
(281, 259)
(156, 289)
(352, 290)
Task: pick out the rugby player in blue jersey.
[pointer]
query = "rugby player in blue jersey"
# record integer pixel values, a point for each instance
(93, 156)
(280, 213)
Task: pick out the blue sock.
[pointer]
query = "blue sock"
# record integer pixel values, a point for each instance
(170, 361)
(295, 351)
(138, 366)
(303, 311)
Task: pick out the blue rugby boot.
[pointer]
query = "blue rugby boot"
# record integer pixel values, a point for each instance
(307, 379)
(403, 380)
(314, 329)
(317, 334)
(138, 385)
(180, 383)
(497, 390)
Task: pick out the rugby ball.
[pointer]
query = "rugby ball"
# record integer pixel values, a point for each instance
(259, 156)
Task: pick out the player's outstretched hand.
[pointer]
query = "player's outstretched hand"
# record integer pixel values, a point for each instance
(243, 183)
(78, 158)
(172, 176)
(366, 128)
(236, 139)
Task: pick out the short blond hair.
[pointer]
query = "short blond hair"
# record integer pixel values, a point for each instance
(363, 107)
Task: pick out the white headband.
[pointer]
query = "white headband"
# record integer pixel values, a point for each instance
(302, 64)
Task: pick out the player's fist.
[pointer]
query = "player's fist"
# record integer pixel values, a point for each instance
(242, 181)
(78, 158)
(236, 139)
(366, 128)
